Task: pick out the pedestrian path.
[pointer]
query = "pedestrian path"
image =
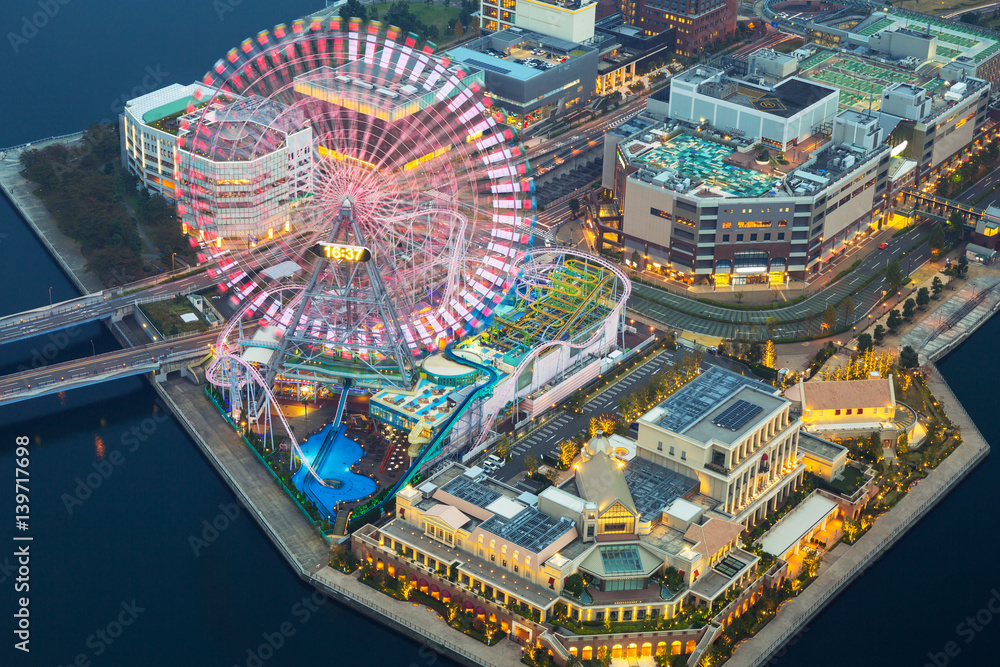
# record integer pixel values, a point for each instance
(853, 563)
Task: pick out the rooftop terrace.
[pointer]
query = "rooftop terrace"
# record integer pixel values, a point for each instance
(688, 157)
(702, 396)
(860, 80)
(954, 38)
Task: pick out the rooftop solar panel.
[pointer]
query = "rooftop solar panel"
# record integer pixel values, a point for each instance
(737, 414)
(487, 66)
(471, 491)
(702, 395)
(530, 529)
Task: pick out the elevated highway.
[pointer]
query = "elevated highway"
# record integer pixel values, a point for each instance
(159, 358)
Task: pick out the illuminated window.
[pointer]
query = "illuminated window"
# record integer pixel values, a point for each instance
(616, 519)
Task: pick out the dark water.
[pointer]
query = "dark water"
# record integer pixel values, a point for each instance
(123, 553)
(129, 540)
(919, 597)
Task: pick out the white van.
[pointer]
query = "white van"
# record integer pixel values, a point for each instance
(496, 460)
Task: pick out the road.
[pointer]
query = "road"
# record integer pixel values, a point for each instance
(680, 312)
(83, 370)
(563, 425)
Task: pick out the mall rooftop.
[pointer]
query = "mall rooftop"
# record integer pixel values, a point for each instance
(694, 407)
(787, 98)
(518, 53)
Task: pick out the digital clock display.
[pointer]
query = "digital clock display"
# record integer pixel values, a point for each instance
(343, 253)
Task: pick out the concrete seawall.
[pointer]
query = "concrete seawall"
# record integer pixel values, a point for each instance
(797, 613)
(65, 250)
(301, 545)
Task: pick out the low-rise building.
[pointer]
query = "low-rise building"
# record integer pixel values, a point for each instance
(848, 411)
(530, 76)
(570, 20)
(646, 543)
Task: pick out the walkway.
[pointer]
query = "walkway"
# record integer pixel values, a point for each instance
(250, 480)
(853, 563)
(955, 319)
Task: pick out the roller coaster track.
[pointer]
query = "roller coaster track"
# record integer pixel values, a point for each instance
(214, 374)
(510, 388)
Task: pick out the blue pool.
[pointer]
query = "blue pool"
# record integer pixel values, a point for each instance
(331, 452)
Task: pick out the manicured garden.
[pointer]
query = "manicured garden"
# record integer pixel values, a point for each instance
(481, 630)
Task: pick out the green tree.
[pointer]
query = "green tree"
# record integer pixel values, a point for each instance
(923, 297)
(810, 563)
(575, 583)
(936, 287)
(848, 307)
(574, 206)
(894, 275)
(739, 297)
(865, 343)
(755, 353)
(908, 358)
(963, 266)
(851, 528)
(531, 464)
(829, 317)
(879, 333)
(567, 452)
(503, 447)
(894, 321)
(908, 307)
(635, 259)
(936, 239)
(771, 324)
(956, 225)
(902, 443)
(353, 9)
(769, 354)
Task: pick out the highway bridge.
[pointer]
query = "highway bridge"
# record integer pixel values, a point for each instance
(110, 304)
(160, 358)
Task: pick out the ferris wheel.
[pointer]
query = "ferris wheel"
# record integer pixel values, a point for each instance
(352, 193)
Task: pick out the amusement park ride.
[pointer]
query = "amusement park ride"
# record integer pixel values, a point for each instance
(409, 232)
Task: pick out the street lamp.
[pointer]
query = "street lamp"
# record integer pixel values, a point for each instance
(50, 296)
(172, 255)
(94, 350)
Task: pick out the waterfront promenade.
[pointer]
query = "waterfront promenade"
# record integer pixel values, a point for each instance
(852, 563)
(300, 543)
(64, 249)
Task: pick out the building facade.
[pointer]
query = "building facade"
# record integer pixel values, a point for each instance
(148, 128)
(531, 76)
(696, 205)
(571, 20)
(699, 23)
